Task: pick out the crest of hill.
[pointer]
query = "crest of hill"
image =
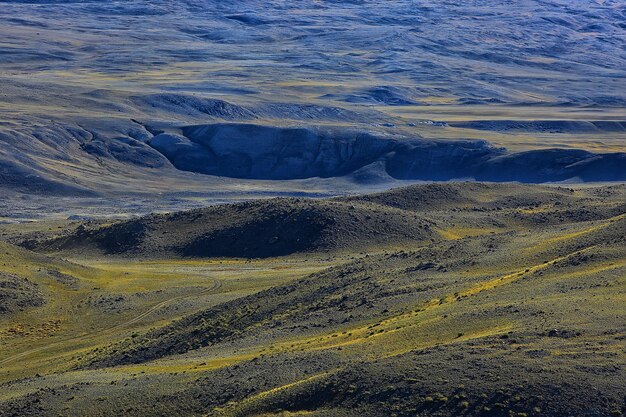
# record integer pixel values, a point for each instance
(256, 229)
(429, 197)
(284, 226)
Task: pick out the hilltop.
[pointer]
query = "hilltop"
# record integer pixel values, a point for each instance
(254, 229)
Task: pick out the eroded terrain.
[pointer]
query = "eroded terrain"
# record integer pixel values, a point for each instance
(117, 106)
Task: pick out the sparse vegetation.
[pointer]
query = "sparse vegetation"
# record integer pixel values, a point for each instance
(523, 321)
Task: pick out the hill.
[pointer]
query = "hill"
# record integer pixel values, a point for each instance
(412, 330)
(256, 229)
(510, 302)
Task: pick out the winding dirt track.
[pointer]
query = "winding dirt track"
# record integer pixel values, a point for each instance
(216, 285)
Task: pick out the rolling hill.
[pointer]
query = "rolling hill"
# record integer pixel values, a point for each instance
(256, 229)
(507, 300)
(313, 208)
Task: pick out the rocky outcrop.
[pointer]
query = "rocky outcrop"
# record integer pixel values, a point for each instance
(17, 294)
(284, 153)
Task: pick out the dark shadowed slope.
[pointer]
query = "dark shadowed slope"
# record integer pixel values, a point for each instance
(265, 152)
(255, 229)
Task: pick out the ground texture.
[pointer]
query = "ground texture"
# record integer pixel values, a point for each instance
(492, 300)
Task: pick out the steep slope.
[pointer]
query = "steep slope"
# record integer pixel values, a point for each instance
(283, 153)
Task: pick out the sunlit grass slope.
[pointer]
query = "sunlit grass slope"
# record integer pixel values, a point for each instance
(515, 306)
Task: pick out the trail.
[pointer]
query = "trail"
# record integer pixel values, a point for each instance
(216, 285)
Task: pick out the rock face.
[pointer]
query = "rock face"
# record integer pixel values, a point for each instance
(261, 152)
(283, 153)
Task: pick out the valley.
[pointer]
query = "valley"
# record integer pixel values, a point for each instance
(115, 108)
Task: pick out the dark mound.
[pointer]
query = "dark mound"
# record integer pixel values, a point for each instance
(548, 126)
(118, 238)
(250, 230)
(431, 197)
(276, 153)
(18, 293)
(420, 197)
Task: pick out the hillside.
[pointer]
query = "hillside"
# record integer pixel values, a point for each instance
(407, 216)
(510, 303)
(427, 198)
(406, 312)
(256, 229)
